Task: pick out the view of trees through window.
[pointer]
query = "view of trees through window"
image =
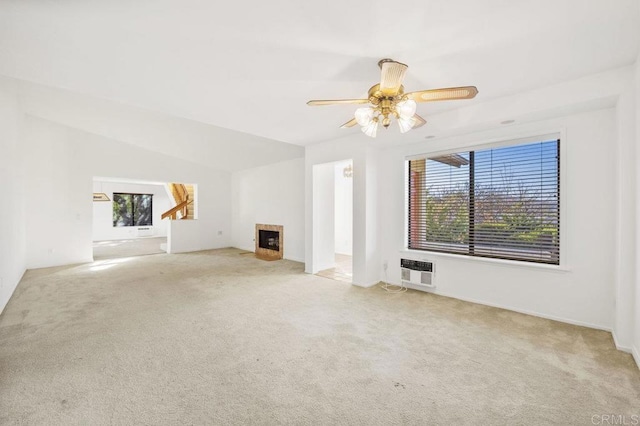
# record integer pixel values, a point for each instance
(501, 202)
(132, 209)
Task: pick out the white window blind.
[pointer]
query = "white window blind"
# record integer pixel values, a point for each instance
(501, 202)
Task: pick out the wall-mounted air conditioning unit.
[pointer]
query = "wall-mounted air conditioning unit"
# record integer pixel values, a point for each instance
(417, 274)
(145, 231)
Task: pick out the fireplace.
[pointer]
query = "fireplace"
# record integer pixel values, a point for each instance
(269, 241)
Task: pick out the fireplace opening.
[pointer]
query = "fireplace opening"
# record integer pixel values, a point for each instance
(269, 240)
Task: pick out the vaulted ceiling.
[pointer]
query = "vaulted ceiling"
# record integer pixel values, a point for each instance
(251, 66)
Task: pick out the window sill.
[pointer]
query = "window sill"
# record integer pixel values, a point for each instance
(429, 255)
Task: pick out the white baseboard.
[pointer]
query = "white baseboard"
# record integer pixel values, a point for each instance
(636, 356)
(369, 285)
(251, 249)
(620, 347)
(14, 287)
(78, 261)
(525, 311)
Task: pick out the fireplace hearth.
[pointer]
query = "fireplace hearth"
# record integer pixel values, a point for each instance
(269, 241)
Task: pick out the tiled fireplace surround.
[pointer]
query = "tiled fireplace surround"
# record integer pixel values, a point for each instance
(270, 249)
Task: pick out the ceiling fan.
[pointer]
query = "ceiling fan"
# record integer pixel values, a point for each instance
(388, 99)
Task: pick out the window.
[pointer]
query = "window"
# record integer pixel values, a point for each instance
(502, 202)
(132, 209)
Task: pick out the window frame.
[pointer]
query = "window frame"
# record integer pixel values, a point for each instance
(467, 145)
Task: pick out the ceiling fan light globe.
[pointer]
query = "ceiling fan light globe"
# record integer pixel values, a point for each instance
(370, 129)
(406, 109)
(405, 124)
(364, 116)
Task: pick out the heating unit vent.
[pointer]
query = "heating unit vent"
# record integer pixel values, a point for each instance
(146, 231)
(417, 274)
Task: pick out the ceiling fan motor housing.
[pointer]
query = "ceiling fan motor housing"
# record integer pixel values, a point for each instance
(376, 95)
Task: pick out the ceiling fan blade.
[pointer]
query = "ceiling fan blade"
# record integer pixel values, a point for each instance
(391, 76)
(349, 123)
(418, 121)
(448, 94)
(337, 102)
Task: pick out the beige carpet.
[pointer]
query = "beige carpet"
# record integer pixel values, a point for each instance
(127, 248)
(219, 338)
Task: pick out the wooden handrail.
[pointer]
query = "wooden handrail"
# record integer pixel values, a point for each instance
(173, 212)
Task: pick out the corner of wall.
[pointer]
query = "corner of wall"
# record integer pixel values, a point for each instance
(13, 242)
(5, 294)
(620, 347)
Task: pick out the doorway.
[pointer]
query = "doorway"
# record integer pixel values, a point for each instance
(126, 218)
(333, 220)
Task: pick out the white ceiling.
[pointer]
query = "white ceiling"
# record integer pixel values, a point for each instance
(251, 66)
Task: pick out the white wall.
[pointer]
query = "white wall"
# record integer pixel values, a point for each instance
(272, 194)
(581, 291)
(60, 169)
(343, 209)
(185, 236)
(12, 175)
(103, 228)
(324, 188)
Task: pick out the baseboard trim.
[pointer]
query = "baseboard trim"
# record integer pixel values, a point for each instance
(3, 304)
(524, 311)
(366, 285)
(619, 346)
(636, 355)
(251, 249)
(79, 261)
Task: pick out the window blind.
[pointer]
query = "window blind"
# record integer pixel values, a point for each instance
(501, 202)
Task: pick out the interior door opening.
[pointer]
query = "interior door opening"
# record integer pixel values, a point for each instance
(333, 220)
